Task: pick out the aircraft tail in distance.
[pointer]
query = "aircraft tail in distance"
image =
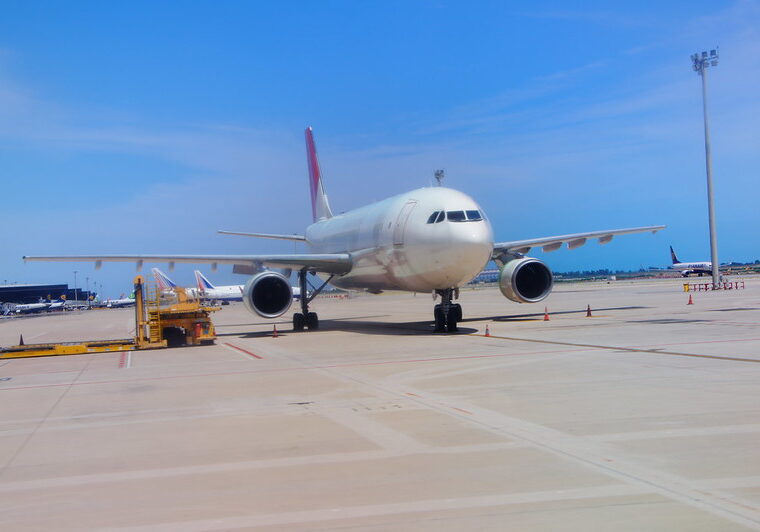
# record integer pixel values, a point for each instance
(673, 256)
(320, 208)
(203, 283)
(164, 283)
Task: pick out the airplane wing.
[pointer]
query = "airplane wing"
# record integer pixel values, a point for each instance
(552, 243)
(297, 238)
(336, 263)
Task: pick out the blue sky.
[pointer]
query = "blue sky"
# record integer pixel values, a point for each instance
(144, 127)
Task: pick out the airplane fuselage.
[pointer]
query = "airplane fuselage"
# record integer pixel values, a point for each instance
(394, 247)
(697, 268)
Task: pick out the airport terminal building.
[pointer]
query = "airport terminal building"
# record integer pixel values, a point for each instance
(32, 293)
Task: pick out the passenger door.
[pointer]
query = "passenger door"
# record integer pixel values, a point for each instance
(401, 221)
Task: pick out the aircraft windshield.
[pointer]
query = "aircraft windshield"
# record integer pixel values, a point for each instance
(456, 216)
(474, 216)
(436, 217)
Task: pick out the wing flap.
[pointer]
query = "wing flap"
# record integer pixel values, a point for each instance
(337, 263)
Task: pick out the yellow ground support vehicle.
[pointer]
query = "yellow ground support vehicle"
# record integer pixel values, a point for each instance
(181, 321)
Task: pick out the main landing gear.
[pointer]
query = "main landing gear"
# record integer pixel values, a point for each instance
(306, 319)
(446, 313)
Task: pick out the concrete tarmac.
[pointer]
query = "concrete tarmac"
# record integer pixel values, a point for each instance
(645, 416)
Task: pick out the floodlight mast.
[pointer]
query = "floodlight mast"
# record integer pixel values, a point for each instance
(701, 63)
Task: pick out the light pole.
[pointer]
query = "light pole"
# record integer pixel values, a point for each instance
(87, 282)
(701, 63)
(76, 298)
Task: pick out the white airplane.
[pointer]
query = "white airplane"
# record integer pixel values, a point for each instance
(118, 303)
(431, 239)
(233, 292)
(205, 290)
(29, 308)
(166, 285)
(687, 268)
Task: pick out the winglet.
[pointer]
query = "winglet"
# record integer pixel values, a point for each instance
(320, 208)
(163, 280)
(203, 283)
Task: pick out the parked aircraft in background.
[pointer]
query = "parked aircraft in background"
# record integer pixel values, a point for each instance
(688, 268)
(166, 285)
(28, 308)
(118, 303)
(207, 290)
(204, 289)
(432, 239)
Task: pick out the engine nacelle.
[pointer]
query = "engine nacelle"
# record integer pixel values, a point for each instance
(268, 294)
(525, 280)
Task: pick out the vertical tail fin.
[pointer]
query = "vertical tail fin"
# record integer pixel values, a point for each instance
(673, 256)
(320, 208)
(164, 283)
(203, 283)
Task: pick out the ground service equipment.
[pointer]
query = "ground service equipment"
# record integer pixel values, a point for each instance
(183, 321)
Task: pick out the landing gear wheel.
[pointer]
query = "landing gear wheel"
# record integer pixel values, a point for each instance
(440, 319)
(312, 321)
(298, 321)
(458, 312)
(451, 324)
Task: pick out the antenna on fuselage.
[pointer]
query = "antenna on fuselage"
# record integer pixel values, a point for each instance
(439, 177)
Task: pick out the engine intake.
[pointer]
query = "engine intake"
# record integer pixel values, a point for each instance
(268, 294)
(525, 280)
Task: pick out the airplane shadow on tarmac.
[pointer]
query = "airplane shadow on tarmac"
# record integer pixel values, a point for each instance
(357, 324)
(539, 315)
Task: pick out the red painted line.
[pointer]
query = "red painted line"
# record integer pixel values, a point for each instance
(460, 410)
(411, 394)
(123, 360)
(243, 351)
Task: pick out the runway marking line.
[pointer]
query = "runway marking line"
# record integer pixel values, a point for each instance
(622, 348)
(242, 350)
(300, 368)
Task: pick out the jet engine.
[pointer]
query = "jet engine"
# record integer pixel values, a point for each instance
(525, 280)
(268, 294)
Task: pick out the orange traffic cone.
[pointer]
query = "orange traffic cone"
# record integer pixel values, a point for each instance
(488, 333)
(691, 301)
(588, 311)
(546, 314)
(274, 332)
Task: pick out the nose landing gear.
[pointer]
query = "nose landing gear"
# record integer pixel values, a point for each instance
(446, 313)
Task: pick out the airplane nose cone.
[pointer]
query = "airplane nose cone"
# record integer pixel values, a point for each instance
(470, 248)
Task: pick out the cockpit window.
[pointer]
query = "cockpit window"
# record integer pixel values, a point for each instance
(455, 216)
(474, 215)
(436, 217)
